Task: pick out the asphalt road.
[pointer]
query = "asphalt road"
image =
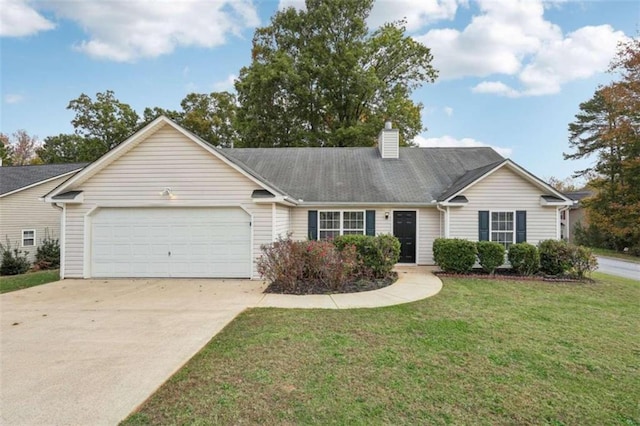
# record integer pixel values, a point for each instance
(619, 268)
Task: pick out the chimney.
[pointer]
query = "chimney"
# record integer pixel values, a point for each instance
(389, 141)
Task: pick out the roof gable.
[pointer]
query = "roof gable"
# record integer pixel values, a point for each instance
(473, 177)
(135, 140)
(19, 178)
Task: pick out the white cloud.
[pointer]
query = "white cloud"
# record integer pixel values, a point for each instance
(225, 85)
(512, 38)
(447, 141)
(13, 98)
(417, 13)
(18, 19)
(448, 111)
(129, 30)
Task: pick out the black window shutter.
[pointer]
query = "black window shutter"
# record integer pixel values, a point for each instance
(371, 222)
(521, 226)
(313, 225)
(483, 225)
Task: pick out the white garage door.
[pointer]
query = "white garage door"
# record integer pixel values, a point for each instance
(171, 242)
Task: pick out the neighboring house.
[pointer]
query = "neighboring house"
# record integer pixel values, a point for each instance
(164, 203)
(576, 214)
(25, 219)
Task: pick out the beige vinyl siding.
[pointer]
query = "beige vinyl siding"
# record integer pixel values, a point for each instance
(428, 230)
(23, 210)
(427, 227)
(282, 221)
(166, 159)
(504, 190)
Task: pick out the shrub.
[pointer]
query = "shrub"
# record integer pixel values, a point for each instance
(524, 258)
(298, 265)
(454, 254)
(555, 257)
(14, 261)
(582, 261)
(376, 255)
(48, 254)
(490, 255)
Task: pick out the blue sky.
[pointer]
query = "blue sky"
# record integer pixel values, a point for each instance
(512, 72)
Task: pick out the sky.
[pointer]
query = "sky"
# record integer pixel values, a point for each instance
(512, 73)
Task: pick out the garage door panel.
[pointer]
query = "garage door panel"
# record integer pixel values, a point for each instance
(171, 242)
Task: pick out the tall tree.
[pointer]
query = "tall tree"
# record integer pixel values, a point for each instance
(19, 149)
(69, 148)
(210, 116)
(319, 77)
(608, 127)
(6, 151)
(106, 121)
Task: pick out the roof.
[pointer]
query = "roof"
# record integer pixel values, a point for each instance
(359, 175)
(14, 178)
(579, 195)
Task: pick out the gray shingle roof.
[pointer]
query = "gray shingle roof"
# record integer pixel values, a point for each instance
(359, 175)
(579, 195)
(15, 177)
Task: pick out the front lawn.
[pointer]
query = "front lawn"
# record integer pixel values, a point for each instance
(480, 352)
(30, 279)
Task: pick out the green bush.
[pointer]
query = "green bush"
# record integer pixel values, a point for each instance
(454, 254)
(48, 254)
(376, 255)
(524, 258)
(555, 257)
(14, 261)
(490, 255)
(582, 261)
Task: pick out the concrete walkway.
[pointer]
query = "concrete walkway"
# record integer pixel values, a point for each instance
(414, 283)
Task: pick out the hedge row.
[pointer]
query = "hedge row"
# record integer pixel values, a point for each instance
(551, 257)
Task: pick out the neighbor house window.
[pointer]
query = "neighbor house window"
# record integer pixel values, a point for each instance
(503, 228)
(334, 223)
(28, 237)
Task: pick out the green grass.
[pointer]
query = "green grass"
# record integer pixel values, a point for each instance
(30, 279)
(480, 352)
(616, 254)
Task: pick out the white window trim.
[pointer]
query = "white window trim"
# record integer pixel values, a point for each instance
(513, 239)
(342, 229)
(30, 238)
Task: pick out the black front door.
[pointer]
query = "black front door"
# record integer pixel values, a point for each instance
(404, 229)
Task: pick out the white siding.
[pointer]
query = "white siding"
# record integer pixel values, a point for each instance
(389, 143)
(24, 210)
(427, 227)
(165, 159)
(428, 230)
(504, 190)
(282, 221)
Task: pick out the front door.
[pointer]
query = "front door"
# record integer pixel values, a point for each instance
(404, 229)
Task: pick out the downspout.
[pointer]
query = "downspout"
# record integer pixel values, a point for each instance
(446, 220)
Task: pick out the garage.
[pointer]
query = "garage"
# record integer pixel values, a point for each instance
(187, 242)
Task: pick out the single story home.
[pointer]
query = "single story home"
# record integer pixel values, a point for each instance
(165, 203)
(25, 220)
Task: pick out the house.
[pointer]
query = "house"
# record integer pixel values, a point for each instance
(164, 203)
(576, 214)
(25, 219)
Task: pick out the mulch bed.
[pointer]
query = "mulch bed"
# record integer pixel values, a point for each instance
(350, 287)
(510, 275)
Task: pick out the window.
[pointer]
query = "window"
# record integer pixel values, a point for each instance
(502, 228)
(28, 237)
(335, 223)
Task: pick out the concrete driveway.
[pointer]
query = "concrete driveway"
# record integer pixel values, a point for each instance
(619, 267)
(89, 352)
